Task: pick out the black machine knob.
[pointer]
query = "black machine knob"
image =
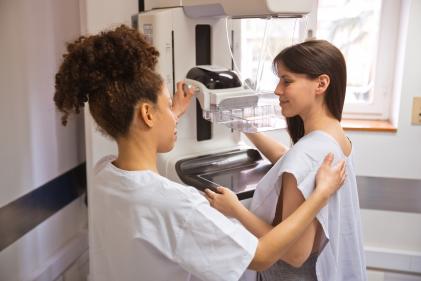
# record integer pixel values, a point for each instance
(214, 79)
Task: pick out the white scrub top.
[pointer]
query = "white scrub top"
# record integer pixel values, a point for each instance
(146, 227)
(342, 256)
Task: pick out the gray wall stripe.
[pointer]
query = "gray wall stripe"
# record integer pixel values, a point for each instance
(390, 194)
(25, 213)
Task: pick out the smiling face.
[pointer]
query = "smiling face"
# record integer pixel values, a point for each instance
(297, 93)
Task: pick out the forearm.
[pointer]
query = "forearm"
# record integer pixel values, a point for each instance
(272, 246)
(271, 148)
(252, 223)
(301, 249)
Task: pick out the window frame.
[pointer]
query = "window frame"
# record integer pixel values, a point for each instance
(385, 64)
(380, 107)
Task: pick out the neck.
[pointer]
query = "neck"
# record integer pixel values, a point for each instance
(136, 153)
(319, 118)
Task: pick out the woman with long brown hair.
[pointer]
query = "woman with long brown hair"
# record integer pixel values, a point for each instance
(311, 91)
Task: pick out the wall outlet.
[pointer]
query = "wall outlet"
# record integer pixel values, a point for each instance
(416, 111)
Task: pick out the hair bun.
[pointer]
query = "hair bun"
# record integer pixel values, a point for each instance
(96, 63)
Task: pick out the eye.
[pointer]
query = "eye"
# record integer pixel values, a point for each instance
(286, 81)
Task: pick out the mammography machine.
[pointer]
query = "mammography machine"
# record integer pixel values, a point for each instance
(195, 44)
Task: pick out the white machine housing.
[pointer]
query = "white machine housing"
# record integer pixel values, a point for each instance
(215, 99)
(173, 34)
(172, 31)
(236, 8)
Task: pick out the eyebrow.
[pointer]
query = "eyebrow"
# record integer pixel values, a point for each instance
(285, 76)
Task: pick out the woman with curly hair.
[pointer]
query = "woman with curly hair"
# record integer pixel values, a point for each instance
(144, 226)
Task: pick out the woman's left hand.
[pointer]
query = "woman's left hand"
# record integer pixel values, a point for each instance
(224, 201)
(181, 99)
(330, 178)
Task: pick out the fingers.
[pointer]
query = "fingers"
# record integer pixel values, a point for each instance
(220, 189)
(340, 169)
(340, 166)
(188, 91)
(343, 177)
(180, 86)
(209, 193)
(328, 159)
(184, 88)
(343, 172)
(212, 196)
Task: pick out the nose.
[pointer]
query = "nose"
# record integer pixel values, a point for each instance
(279, 90)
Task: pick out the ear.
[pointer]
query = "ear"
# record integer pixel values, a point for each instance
(323, 83)
(145, 113)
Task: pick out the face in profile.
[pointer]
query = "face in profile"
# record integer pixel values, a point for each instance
(296, 92)
(166, 122)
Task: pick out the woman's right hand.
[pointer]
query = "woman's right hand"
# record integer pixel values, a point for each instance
(329, 179)
(224, 201)
(181, 99)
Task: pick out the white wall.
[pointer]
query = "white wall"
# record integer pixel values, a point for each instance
(35, 147)
(397, 235)
(396, 155)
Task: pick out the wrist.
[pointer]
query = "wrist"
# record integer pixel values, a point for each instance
(321, 195)
(238, 210)
(178, 113)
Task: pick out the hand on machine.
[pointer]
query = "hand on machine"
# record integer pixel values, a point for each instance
(182, 98)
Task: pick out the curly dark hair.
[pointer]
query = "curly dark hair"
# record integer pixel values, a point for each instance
(113, 71)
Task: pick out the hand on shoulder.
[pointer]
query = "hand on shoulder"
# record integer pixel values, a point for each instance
(330, 178)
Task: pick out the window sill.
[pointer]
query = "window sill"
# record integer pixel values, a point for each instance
(368, 125)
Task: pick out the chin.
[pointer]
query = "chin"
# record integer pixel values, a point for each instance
(166, 148)
(287, 114)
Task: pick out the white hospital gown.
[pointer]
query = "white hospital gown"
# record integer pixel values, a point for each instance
(342, 257)
(146, 227)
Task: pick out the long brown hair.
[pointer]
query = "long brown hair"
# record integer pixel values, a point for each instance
(113, 71)
(314, 58)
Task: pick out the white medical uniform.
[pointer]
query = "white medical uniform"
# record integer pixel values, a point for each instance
(342, 256)
(148, 228)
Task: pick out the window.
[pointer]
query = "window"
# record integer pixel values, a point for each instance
(261, 41)
(366, 31)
